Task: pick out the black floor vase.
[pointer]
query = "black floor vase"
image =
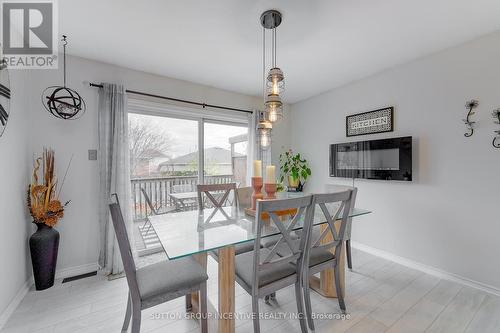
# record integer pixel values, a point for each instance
(44, 244)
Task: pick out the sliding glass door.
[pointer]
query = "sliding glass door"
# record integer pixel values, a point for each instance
(167, 164)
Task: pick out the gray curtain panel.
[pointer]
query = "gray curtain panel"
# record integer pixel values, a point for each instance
(114, 173)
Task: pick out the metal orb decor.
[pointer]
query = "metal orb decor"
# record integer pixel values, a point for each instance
(63, 102)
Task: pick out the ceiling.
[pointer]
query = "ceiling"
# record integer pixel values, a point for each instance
(322, 44)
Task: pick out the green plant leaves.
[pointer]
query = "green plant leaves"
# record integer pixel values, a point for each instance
(294, 165)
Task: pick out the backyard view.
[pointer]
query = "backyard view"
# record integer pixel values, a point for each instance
(164, 158)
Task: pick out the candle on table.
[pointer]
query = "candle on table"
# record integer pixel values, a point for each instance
(257, 168)
(271, 174)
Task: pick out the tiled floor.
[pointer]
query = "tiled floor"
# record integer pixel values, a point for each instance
(381, 297)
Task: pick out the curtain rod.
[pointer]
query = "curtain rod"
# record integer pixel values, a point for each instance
(204, 105)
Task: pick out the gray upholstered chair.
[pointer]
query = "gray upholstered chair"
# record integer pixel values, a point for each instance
(262, 272)
(157, 283)
(336, 188)
(221, 191)
(322, 253)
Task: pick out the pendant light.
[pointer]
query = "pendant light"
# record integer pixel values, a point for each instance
(63, 102)
(275, 79)
(264, 128)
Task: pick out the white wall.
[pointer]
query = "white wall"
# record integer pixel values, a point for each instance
(79, 243)
(15, 161)
(448, 217)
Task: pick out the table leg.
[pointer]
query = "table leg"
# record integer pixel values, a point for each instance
(325, 285)
(193, 300)
(226, 290)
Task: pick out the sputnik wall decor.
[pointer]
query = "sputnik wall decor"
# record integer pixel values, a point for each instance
(63, 102)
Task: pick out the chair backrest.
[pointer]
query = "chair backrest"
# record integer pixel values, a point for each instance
(331, 188)
(333, 206)
(124, 244)
(148, 202)
(223, 192)
(271, 208)
(244, 195)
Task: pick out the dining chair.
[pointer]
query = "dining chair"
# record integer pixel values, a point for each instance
(222, 191)
(348, 229)
(323, 250)
(244, 195)
(263, 272)
(154, 210)
(157, 283)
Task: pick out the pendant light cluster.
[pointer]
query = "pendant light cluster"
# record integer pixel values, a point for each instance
(274, 80)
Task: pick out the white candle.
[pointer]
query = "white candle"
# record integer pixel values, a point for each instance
(257, 168)
(271, 174)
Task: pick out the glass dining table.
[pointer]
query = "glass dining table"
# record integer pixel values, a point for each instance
(198, 232)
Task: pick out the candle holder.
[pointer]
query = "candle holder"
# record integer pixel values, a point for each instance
(270, 190)
(257, 184)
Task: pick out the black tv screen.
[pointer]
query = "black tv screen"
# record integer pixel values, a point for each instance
(387, 159)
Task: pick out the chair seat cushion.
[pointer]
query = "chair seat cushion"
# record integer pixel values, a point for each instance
(244, 269)
(167, 277)
(316, 257)
(244, 247)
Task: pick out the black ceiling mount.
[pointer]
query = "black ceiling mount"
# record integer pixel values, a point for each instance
(270, 19)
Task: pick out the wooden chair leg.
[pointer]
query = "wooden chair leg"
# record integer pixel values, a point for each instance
(128, 314)
(340, 294)
(348, 253)
(255, 310)
(307, 303)
(136, 318)
(189, 304)
(300, 306)
(204, 308)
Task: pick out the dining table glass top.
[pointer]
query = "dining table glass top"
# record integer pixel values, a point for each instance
(196, 231)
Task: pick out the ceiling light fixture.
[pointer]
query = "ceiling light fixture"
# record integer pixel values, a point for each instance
(63, 102)
(274, 81)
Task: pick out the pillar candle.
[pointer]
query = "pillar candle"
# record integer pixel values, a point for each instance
(271, 174)
(257, 168)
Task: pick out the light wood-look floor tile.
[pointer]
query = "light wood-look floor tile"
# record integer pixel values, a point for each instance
(382, 296)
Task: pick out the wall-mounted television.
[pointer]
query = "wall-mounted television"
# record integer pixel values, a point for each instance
(386, 159)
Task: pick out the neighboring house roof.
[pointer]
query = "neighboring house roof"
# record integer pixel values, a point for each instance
(152, 153)
(214, 155)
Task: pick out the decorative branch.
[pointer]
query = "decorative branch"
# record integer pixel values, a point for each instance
(471, 105)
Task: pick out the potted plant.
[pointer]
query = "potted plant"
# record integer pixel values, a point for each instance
(296, 168)
(46, 209)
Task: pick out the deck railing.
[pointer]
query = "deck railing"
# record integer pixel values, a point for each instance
(159, 190)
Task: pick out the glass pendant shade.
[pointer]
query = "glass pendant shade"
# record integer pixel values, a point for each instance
(264, 131)
(275, 81)
(274, 108)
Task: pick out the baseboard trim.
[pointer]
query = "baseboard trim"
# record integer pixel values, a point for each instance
(76, 270)
(426, 268)
(5, 315)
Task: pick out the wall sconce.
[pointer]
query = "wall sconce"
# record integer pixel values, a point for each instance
(496, 120)
(471, 105)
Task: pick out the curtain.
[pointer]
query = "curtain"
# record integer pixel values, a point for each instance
(114, 173)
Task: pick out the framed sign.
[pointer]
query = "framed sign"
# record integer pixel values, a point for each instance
(371, 122)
